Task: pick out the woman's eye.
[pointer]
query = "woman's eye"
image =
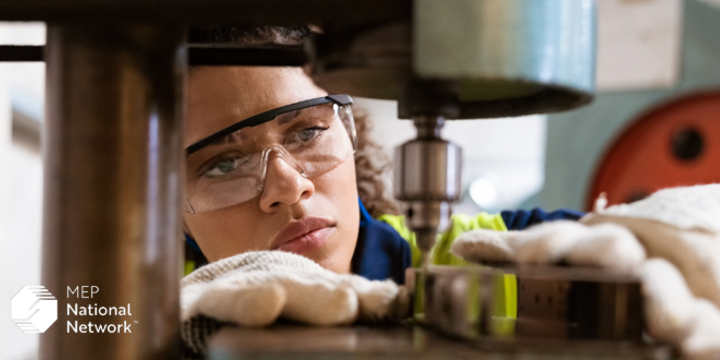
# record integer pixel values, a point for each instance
(309, 134)
(223, 167)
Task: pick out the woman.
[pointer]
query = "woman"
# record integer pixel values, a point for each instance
(289, 182)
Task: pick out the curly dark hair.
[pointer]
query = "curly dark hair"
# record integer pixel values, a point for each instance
(371, 163)
(371, 167)
(277, 35)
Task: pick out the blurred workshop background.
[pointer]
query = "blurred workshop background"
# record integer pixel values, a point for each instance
(650, 125)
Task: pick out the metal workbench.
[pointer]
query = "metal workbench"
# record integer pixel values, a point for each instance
(407, 342)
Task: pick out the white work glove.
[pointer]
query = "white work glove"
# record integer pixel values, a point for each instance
(671, 239)
(255, 288)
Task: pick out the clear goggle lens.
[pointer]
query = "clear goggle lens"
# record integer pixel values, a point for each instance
(232, 169)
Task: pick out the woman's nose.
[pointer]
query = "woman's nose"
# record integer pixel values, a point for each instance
(283, 184)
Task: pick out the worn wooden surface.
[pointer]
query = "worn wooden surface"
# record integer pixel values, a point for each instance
(406, 342)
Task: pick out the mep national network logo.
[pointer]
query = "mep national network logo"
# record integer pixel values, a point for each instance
(34, 309)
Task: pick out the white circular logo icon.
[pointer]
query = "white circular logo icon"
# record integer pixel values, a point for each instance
(34, 309)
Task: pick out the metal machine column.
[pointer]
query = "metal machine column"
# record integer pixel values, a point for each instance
(112, 186)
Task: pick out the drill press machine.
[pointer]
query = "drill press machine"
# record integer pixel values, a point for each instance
(460, 60)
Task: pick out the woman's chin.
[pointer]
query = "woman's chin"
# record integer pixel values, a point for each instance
(331, 260)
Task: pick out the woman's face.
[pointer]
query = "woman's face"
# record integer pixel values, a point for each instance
(316, 217)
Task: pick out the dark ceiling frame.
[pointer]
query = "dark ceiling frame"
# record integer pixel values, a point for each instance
(197, 55)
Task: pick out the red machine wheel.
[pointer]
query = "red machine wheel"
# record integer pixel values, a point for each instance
(673, 144)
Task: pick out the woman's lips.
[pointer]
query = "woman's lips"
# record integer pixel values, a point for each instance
(310, 241)
(303, 235)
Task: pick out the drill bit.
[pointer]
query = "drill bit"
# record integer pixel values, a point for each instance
(425, 240)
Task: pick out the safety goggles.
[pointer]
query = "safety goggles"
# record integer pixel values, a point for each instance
(229, 167)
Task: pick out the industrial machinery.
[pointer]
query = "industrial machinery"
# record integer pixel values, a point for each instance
(677, 135)
(549, 302)
(461, 60)
(113, 119)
